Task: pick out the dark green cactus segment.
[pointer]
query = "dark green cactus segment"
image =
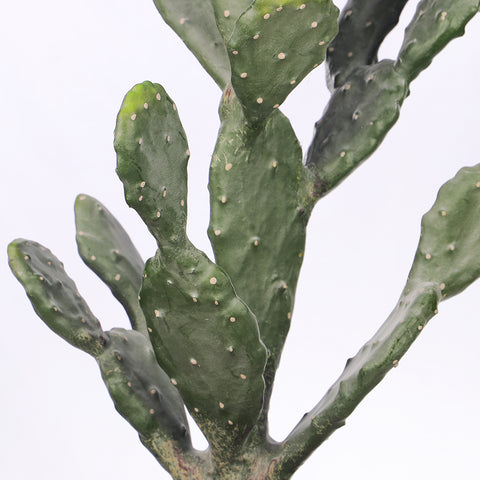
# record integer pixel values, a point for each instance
(434, 25)
(282, 40)
(107, 249)
(207, 341)
(263, 262)
(152, 155)
(363, 25)
(54, 296)
(227, 13)
(449, 250)
(140, 389)
(362, 373)
(194, 22)
(356, 120)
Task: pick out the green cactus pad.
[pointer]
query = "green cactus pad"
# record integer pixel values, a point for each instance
(207, 341)
(107, 249)
(141, 390)
(434, 25)
(449, 250)
(194, 22)
(152, 155)
(357, 118)
(446, 262)
(363, 25)
(227, 12)
(263, 262)
(365, 370)
(54, 296)
(204, 336)
(282, 40)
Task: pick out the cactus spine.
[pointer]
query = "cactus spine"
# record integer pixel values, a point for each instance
(208, 336)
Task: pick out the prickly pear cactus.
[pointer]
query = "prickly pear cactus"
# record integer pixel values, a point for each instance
(207, 336)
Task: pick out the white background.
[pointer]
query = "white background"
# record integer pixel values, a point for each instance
(64, 69)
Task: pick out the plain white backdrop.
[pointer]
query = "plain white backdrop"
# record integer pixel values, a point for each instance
(64, 69)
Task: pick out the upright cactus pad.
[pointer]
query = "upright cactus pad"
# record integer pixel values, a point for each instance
(208, 336)
(435, 24)
(195, 24)
(107, 249)
(149, 131)
(357, 118)
(449, 248)
(193, 314)
(281, 40)
(227, 13)
(363, 25)
(263, 263)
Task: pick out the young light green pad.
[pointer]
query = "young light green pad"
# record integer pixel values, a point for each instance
(194, 22)
(54, 295)
(435, 24)
(282, 40)
(107, 249)
(152, 155)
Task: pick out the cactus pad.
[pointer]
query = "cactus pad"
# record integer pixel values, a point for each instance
(281, 40)
(357, 118)
(194, 22)
(107, 249)
(363, 25)
(142, 392)
(152, 155)
(227, 12)
(205, 338)
(262, 261)
(54, 295)
(366, 369)
(436, 23)
(449, 250)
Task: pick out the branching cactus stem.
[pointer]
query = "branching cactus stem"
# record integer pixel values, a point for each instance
(207, 336)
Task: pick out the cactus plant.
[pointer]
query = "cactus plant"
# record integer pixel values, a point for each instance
(208, 336)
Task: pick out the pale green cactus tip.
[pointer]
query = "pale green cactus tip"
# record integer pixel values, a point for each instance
(208, 336)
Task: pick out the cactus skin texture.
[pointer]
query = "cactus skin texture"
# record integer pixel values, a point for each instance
(208, 336)
(107, 249)
(195, 24)
(363, 26)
